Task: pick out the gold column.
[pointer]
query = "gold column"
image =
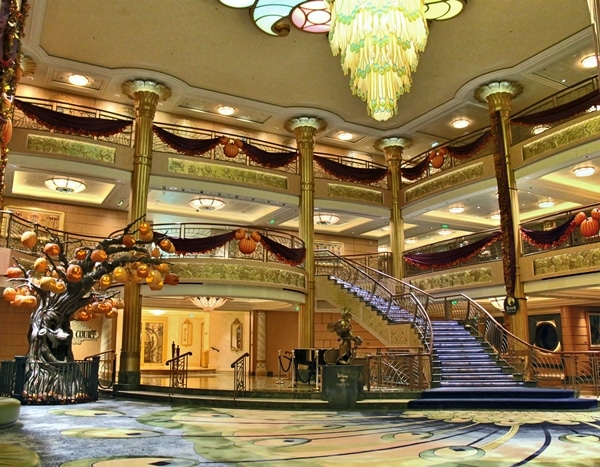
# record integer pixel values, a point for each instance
(392, 149)
(305, 129)
(498, 96)
(146, 95)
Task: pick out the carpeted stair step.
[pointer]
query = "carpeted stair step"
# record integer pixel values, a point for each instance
(501, 398)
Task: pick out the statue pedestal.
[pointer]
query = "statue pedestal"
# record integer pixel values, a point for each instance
(342, 385)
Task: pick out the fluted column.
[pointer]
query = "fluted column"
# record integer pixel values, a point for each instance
(305, 129)
(261, 343)
(146, 95)
(499, 96)
(392, 149)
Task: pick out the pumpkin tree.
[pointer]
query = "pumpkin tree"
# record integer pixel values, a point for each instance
(65, 283)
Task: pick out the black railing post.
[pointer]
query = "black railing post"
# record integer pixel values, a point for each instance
(21, 363)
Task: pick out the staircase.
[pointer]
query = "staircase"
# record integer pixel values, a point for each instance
(459, 360)
(467, 375)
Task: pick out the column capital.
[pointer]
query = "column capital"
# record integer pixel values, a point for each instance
(498, 94)
(130, 88)
(384, 143)
(312, 122)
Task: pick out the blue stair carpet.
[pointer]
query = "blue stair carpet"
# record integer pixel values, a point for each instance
(501, 398)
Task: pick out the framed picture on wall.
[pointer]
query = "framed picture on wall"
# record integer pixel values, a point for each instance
(154, 342)
(594, 328)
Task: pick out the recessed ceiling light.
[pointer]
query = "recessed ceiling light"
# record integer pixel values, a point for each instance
(460, 123)
(495, 216)
(78, 80)
(225, 110)
(345, 136)
(410, 240)
(456, 209)
(207, 203)
(585, 171)
(65, 184)
(548, 203)
(591, 61)
(444, 232)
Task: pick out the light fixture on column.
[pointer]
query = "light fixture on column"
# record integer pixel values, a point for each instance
(326, 218)
(209, 303)
(379, 41)
(65, 184)
(207, 203)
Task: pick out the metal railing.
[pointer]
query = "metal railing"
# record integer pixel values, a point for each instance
(34, 382)
(178, 369)
(106, 368)
(579, 371)
(239, 375)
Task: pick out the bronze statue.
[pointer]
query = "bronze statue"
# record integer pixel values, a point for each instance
(346, 351)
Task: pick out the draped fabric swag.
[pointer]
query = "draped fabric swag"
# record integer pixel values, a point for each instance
(59, 121)
(549, 238)
(349, 173)
(444, 259)
(561, 112)
(187, 146)
(188, 246)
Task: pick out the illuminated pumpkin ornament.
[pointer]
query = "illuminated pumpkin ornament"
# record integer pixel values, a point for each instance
(247, 245)
(171, 279)
(145, 232)
(166, 245)
(40, 265)
(120, 275)
(14, 272)
(231, 150)
(9, 294)
(589, 227)
(52, 249)
(105, 281)
(74, 273)
(81, 254)
(28, 239)
(58, 287)
(579, 218)
(98, 256)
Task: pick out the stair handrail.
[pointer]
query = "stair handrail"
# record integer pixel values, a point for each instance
(239, 374)
(106, 368)
(573, 370)
(393, 291)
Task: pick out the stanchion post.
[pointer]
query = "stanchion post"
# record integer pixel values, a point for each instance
(279, 380)
(293, 385)
(317, 369)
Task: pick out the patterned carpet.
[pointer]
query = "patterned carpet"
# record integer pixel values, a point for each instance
(117, 433)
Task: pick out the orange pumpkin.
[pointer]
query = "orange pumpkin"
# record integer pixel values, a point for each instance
(142, 270)
(239, 143)
(120, 275)
(145, 228)
(28, 239)
(155, 252)
(47, 282)
(596, 213)
(239, 234)
(223, 140)
(84, 315)
(589, 227)
(162, 267)
(105, 307)
(58, 287)
(81, 254)
(98, 256)
(105, 281)
(112, 314)
(171, 279)
(52, 249)
(154, 277)
(74, 273)
(165, 245)
(14, 272)
(255, 236)
(247, 245)
(9, 294)
(128, 240)
(40, 265)
(231, 150)
(157, 286)
(437, 160)
(579, 218)
(29, 301)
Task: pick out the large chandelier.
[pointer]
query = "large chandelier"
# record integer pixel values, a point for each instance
(207, 203)
(379, 41)
(65, 184)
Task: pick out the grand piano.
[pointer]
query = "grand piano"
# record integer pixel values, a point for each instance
(305, 363)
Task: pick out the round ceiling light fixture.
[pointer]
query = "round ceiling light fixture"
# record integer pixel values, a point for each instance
(589, 61)
(547, 203)
(65, 184)
(326, 218)
(585, 171)
(460, 123)
(458, 209)
(207, 203)
(78, 80)
(225, 110)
